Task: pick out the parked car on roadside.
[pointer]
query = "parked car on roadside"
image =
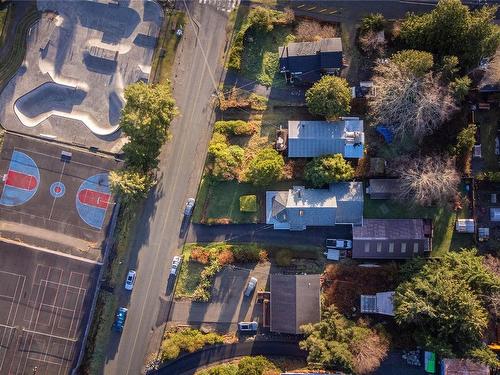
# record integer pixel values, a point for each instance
(175, 265)
(121, 316)
(338, 244)
(252, 283)
(188, 209)
(130, 281)
(248, 326)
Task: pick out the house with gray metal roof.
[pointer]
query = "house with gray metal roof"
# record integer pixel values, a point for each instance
(298, 208)
(307, 139)
(306, 62)
(295, 301)
(392, 239)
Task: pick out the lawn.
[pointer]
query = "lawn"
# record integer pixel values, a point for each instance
(488, 121)
(260, 57)
(164, 56)
(189, 275)
(445, 237)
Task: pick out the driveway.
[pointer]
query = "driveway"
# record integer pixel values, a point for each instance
(263, 233)
(196, 74)
(228, 305)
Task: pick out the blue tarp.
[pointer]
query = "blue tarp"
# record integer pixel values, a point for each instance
(385, 132)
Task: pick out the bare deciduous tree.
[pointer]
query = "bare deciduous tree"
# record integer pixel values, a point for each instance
(373, 43)
(409, 105)
(428, 180)
(311, 31)
(369, 352)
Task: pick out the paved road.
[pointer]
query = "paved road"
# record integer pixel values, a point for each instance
(188, 364)
(265, 234)
(197, 70)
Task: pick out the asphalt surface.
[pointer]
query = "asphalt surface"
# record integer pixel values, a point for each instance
(56, 213)
(197, 71)
(188, 364)
(44, 307)
(264, 233)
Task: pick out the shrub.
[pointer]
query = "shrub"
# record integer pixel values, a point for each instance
(416, 62)
(372, 22)
(284, 258)
(328, 169)
(200, 254)
(263, 256)
(225, 257)
(226, 158)
(189, 340)
(258, 365)
(329, 97)
(235, 127)
(460, 87)
(246, 253)
(248, 203)
(266, 167)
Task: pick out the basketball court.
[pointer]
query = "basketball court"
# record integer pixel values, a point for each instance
(44, 306)
(55, 187)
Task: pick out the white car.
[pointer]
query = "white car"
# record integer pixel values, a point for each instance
(175, 265)
(251, 286)
(248, 326)
(130, 281)
(338, 244)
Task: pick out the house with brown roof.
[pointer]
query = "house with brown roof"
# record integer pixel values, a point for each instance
(392, 239)
(295, 301)
(463, 367)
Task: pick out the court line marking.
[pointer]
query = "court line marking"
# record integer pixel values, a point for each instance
(54, 199)
(10, 312)
(73, 319)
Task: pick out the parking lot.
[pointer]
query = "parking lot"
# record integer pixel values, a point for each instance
(44, 306)
(228, 305)
(43, 189)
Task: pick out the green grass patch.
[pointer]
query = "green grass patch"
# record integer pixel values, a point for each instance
(189, 274)
(445, 237)
(488, 127)
(248, 203)
(224, 202)
(260, 58)
(168, 41)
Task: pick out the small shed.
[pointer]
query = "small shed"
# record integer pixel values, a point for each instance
(465, 226)
(383, 188)
(380, 303)
(495, 214)
(483, 234)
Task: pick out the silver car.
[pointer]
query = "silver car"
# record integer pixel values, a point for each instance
(248, 326)
(188, 209)
(251, 286)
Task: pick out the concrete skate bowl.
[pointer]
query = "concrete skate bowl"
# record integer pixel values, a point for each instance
(54, 99)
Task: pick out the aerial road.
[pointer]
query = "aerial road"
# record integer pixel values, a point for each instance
(195, 78)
